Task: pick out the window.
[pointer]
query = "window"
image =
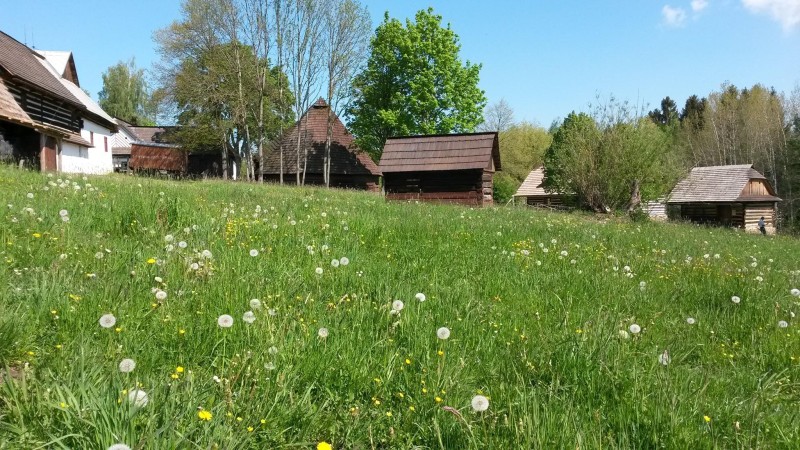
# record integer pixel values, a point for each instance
(91, 138)
(83, 152)
(105, 143)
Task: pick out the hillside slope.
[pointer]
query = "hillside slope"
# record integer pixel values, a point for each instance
(541, 309)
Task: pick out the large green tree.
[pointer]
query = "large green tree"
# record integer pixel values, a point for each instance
(126, 94)
(414, 83)
(610, 164)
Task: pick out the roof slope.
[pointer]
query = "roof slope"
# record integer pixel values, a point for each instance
(23, 63)
(718, 184)
(346, 157)
(90, 105)
(533, 185)
(63, 62)
(10, 109)
(441, 152)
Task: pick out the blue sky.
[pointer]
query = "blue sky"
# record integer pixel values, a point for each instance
(546, 58)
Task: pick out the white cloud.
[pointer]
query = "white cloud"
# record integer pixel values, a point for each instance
(787, 12)
(699, 5)
(674, 17)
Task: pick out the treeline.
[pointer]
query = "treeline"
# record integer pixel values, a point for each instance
(614, 156)
(235, 73)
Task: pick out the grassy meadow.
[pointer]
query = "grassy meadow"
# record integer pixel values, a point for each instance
(581, 332)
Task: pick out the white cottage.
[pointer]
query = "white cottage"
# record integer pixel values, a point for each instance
(92, 153)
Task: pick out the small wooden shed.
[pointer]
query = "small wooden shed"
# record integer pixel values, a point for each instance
(735, 195)
(448, 168)
(532, 191)
(350, 168)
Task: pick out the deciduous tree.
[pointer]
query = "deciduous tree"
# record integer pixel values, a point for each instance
(414, 83)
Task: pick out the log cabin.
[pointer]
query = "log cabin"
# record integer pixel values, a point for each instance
(447, 168)
(734, 195)
(532, 192)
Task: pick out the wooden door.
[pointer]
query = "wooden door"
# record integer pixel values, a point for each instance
(49, 153)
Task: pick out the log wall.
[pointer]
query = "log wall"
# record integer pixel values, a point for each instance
(467, 187)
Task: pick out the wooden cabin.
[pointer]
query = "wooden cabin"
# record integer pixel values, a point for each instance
(736, 196)
(450, 168)
(154, 151)
(350, 168)
(46, 121)
(532, 192)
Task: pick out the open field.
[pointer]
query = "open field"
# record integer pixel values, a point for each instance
(540, 308)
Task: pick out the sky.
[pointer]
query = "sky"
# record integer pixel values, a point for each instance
(545, 58)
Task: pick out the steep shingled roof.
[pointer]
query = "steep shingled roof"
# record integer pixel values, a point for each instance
(715, 184)
(532, 186)
(25, 64)
(441, 152)
(346, 158)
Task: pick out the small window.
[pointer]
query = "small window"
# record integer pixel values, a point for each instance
(105, 143)
(91, 138)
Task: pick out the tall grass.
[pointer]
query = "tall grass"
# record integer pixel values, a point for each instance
(539, 306)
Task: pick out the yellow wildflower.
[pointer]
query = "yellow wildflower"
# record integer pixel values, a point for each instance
(324, 446)
(179, 369)
(204, 415)
(707, 419)
(151, 261)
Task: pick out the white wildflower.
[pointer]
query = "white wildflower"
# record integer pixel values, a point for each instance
(735, 299)
(225, 321)
(635, 328)
(107, 320)
(397, 305)
(480, 403)
(783, 324)
(420, 296)
(138, 398)
(322, 333)
(335, 263)
(127, 365)
(253, 253)
(443, 333)
(249, 317)
(344, 260)
(690, 320)
(255, 303)
(161, 295)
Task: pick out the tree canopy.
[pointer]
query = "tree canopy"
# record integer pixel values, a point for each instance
(126, 94)
(414, 83)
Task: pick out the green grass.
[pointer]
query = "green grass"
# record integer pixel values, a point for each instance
(538, 334)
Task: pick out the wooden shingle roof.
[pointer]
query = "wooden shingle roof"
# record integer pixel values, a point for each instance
(719, 184)
(532, 186)
(346, 157)
(20, 62)
(441, 152)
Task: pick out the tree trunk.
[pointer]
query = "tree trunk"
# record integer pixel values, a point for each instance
(636, 197)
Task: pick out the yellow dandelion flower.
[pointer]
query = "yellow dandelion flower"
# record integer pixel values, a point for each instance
(181, 332)
(411, 408)
(174, 376)
(438, 399)
(324, 446)
(250, 429)
(179, 369)
(408, 361)
(151, 260)
(388, 414)
(204, 415)
(263, 421)
(440, 353)
(37, 235)
(707, 419)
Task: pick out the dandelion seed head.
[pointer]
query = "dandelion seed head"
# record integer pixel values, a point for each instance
(255, 304)
(735, 299)
(318, 270)
(344, 260)
(443, 333)
(397, 305)
(322, 333)
(795, 292)
(138, 398)
(480, 403)
(119, 446)
(690, 320)
(335, 263)
(127, 365)
(783, 324)
(634, 328)
(249, 317)
(161, 295)
(107, 320)
(225, 321)
(253, 252)
(420, 296)
(63, 213)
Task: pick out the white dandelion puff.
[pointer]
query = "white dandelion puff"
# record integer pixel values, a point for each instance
(182, 244)
(269, 366)
(249, 317)
(318, 270)
(253, 253)
(272, 312)
(322, 333)
(272, 350)
(795, 292)
(255, 304)
(169, 238)
(624, 334)
(225, 321)
(397, 305)
(63, 213)
(158, 279)
(480, 403)
(664, 358)
(138, 398)
(99, 255)
(161, 295)
(335, 263)
(344, 260)
(634, 328)
(127, 365)
(690, 320)
(783, 324)
(107, 320)
(443, 333)
(735, 299)
(420, 296)
(119, 446)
